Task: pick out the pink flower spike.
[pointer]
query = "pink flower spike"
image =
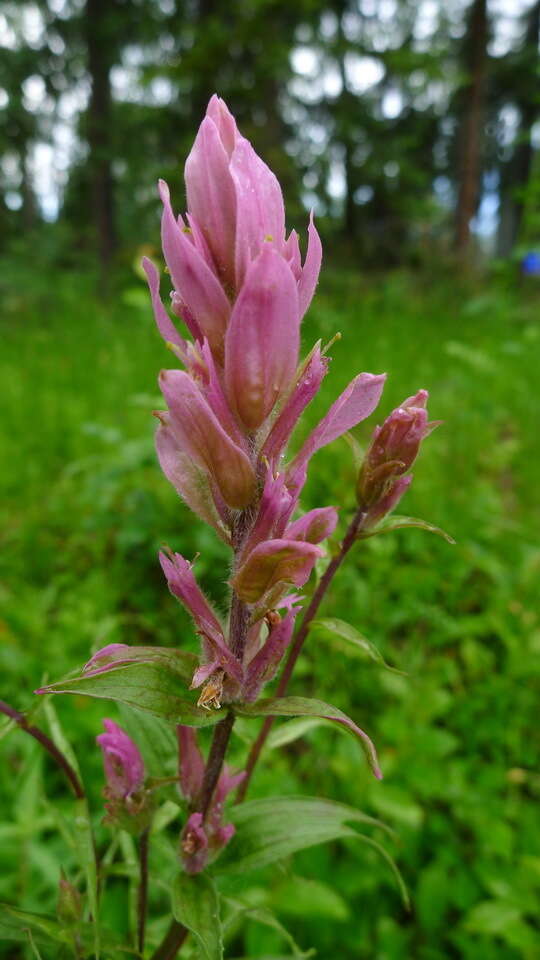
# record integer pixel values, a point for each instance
(183, 585)
(164, 323)
(190, 763)
(311, 269)
(197, 284)
(260, 214)
(124, 768)
(356, 403)
(273, 562)
(199, 433)
(308, 382)
(211, 196)
(314, 526)
(261, 345)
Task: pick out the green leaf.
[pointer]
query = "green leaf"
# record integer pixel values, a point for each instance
(304, 707)
(395, 522)
(155, 739)
(195, 904)
(265, 917)
(181, 662)
(15, 924)
(351, 635)
(274, 827)
(291, 731)
(490, 917)
(150, 687)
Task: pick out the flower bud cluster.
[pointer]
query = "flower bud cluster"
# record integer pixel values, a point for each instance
(126, 801)
(394, 446)
(203, 836)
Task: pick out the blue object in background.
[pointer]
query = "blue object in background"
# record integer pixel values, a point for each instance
(530, 265)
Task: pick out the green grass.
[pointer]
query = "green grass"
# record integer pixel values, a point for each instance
(84, 510)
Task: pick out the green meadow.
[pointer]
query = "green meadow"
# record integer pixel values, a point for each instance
(85, 508)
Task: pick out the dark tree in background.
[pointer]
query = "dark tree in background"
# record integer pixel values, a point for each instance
(472, 111)
(389, 119)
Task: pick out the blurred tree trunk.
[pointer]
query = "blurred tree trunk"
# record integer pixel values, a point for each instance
(472, 121)
(517, 174)
(99, 128)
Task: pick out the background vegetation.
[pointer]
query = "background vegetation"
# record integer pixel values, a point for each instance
(407, 203)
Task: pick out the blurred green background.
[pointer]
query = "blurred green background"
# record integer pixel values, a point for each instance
(412, 128)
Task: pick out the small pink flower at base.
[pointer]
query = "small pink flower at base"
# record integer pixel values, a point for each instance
(194, 844)
(126, 800)
(392, 451)
(124, 767)
(202, 840)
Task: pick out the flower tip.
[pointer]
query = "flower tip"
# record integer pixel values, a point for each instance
(378, 773)
(41, 690)
(164, 192)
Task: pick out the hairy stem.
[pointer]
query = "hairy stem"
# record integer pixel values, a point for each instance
(173, 940)
(143, 889)
(316, 600)
(48, 745)
(214, 764)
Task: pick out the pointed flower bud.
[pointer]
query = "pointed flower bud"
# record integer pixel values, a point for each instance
(124, 768)
(261, 346)
(393, 449)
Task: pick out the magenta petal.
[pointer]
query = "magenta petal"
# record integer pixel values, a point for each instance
(211, 195)
(198, 286)
(265, 663)
(356, 403)
(314, 526)
(273, 562)
(189, 480)
(311, 268)
(260, 214)
(291, 252)
(164, 323)
(309, 381)
(191, 763)
(261, 345)
(199, 433)
(275, 508)
(183, 585)
(194, 844)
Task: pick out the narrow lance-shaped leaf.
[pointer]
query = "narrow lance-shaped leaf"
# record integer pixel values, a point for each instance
(398, 523)
(304, 707)
(338, 628)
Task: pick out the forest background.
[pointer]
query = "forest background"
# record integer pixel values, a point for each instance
(413, 130)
